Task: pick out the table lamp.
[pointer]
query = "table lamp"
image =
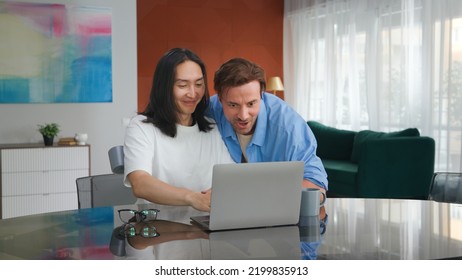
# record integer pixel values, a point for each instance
(274, 84)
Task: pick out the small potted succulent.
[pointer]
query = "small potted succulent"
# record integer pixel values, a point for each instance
(48, 131)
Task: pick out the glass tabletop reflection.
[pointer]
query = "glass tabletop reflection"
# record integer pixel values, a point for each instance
(354, 229)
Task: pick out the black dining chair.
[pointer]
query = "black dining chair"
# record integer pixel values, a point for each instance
(106, 189)
(116, 159)
(103, 190)
(446, 187)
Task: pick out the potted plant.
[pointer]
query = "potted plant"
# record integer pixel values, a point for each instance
(48, 131)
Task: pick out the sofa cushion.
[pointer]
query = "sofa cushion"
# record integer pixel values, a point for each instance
(333, 143)
(341, 171)
(367, 135)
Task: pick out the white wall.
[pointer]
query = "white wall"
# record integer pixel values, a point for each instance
(102, 121)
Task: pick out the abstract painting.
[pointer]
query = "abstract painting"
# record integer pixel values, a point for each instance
(55, 53)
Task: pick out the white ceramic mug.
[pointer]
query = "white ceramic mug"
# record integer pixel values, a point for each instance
(311, 202)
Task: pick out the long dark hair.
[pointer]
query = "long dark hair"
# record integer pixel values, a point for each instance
(161, 110)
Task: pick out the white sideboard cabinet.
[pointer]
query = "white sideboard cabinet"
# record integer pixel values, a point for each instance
(37, 179)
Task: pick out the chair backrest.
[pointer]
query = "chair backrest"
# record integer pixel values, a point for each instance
(84, 192)
(116, 159)
(103, 190)
(446, 187)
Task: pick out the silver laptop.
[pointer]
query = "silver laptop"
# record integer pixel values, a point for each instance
(249, 195)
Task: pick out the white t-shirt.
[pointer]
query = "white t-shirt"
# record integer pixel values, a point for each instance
(185, 160)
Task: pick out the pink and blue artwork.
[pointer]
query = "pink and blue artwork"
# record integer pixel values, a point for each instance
(55, 53)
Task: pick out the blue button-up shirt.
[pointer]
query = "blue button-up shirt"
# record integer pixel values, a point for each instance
(281, 134)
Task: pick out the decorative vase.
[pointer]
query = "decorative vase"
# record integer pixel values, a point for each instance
(81, 138)
(48, 140)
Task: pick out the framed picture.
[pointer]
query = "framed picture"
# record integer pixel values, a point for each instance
(55, 53)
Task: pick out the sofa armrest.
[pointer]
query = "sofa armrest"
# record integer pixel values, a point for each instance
(333, 143)
(400, 167)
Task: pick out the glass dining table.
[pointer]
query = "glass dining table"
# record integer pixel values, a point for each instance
(347, 229)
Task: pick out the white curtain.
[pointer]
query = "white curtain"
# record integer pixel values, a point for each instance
(383, 65)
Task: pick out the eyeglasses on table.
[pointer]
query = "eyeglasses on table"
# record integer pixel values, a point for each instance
(130, 216)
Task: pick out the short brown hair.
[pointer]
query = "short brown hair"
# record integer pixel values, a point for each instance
(237, 72)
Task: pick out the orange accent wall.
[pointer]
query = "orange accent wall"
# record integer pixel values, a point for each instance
(216, 30)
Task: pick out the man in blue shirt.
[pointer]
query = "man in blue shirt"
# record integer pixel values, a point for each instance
(260, 127)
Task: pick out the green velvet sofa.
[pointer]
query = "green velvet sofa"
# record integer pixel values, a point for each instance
(372, 164)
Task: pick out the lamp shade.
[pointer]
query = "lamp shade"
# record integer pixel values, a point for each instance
(274, 84)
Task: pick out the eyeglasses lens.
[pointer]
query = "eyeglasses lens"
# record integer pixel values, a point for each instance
(149, 215)
(127, 215)
(129, 230)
